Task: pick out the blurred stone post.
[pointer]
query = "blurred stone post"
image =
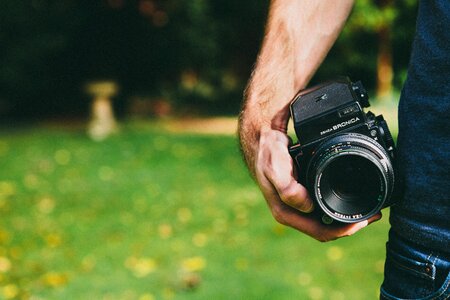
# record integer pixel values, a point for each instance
(102, 122)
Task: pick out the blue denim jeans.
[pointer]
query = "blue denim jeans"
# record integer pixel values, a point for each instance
(413, 272)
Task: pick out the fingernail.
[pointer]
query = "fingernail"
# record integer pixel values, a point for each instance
(310, 208)
(363, 224)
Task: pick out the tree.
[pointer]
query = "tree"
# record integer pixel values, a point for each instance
(380, 18)
(194, 54)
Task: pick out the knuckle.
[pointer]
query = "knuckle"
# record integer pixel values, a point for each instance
(295, 197)
(289, 193)
(278, 215)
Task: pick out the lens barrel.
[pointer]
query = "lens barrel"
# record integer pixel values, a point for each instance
(352, 177)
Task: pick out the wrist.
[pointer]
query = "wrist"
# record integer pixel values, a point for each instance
(249, 133)
(268, 111)
(257, 124)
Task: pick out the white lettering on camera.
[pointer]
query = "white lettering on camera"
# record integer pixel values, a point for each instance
(349, 217)
(340, 125)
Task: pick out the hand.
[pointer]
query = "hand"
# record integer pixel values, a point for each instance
(298, 36)
(288, 200)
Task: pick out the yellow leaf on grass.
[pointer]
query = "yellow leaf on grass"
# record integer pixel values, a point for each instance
(199, 239)
(335, 253)
(46, 205)
(141, 267)
(193, 264)
(184, 214)
(5, 264)
(55, 279)
(7, 188)
(10, 291)
(165, 231)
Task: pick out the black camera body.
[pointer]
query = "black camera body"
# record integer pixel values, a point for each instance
(344, 156)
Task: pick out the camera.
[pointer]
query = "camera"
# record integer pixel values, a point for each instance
(344, 156)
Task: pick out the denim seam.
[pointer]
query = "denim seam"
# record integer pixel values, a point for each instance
(444, 289)
(423, 275)
(433, 264)
(435, 258)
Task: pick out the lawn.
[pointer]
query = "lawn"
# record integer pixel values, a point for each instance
(157, 214)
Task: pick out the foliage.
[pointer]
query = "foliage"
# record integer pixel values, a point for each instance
(194, 54)
(355, 52)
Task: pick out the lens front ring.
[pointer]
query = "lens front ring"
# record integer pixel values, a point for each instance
(352, 177)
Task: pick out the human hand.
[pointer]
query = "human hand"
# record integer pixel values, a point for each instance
(298, 36)
(288, 200)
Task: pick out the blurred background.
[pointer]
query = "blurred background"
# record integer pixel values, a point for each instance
(120, 174)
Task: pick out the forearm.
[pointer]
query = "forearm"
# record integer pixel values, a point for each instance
(298, 36)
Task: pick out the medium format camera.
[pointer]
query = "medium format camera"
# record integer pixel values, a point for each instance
(344, 156)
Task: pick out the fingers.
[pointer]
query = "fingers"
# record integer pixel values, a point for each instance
(310, 224)
(277, 166)
(337, 231)
(288, 200)
(295, 195)
(375, 218)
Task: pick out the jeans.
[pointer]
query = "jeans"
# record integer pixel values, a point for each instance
(413, 272)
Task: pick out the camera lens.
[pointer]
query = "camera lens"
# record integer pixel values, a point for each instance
(352, 177)
(351, 185)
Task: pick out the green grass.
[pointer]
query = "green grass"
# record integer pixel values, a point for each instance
(155, 215)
